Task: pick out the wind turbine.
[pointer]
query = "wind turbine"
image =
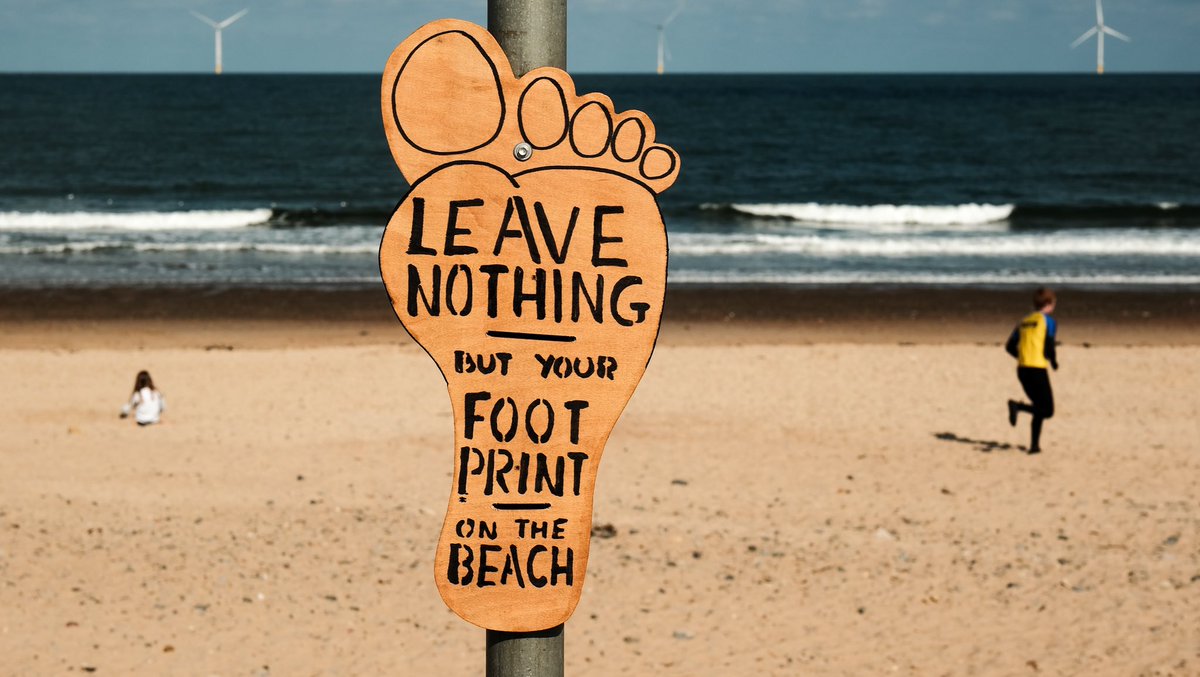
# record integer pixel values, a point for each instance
(662, 35)
(1099, 30)
(218, 27)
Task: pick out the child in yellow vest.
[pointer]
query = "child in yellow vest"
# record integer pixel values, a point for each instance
(1033, 344)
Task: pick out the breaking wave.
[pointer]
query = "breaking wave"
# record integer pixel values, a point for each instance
(877, 215)
(908, 218)
(1095, 243)
(929, 279)
(296, 249)
(223, 219)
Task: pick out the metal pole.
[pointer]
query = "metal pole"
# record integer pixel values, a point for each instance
(532, 33)
(525, 654)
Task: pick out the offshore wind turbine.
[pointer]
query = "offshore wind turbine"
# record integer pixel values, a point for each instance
(218, 26)
(1099, 30)
(662, 35)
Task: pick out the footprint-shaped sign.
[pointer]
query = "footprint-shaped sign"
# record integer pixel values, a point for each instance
(529, 259)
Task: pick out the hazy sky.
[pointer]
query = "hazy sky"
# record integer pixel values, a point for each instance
(611, 35)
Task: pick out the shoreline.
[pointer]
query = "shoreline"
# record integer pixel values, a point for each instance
(74, 318)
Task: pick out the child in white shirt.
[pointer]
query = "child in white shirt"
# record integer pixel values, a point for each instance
(146, 402)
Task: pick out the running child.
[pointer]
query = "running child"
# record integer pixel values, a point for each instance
(1033, 344)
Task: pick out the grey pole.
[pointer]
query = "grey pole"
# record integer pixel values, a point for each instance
(532, 33)
(525, 654)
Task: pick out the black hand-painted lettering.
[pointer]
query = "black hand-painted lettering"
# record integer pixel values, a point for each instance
(535, 436)
(452, 570)
(537, 296)
(415, 246)
(497, 410)
(598, 238)
(575, 407)
(516, 205)
(565, 569)
(639, 308)
(453, 231)
(463, 308)
(485, 568)
(432, 305)
(470, 417)
(578, 458)
(547, 361)
(595, 303)
(558, 254)
(512, 567)
(493, 271)
(535, 580)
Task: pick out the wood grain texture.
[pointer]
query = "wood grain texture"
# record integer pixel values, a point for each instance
(537, 287)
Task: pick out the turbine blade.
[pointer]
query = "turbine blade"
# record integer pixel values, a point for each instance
(1099, 14)
(1092, 31)
(678, 10)
(203, 18)
(233, 18)
(1117, 34)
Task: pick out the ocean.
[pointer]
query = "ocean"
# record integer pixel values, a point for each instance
(910, 180)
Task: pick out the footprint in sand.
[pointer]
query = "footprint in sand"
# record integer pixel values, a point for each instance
(529, 260)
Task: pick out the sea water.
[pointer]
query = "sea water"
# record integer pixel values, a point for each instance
(286, 180)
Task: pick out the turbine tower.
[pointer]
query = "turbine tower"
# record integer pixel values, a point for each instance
(217, 28)
(1099, 30)
(662, 35)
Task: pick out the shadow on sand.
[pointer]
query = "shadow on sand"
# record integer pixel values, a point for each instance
(986, 446)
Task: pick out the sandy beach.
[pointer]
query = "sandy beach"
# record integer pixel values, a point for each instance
(806, 483)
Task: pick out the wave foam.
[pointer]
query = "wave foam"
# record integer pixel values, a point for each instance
(1088, 243)
(196, 247)
(264, 247)
(926, 279)
(880, 215)
(48, 249)
(187, 220)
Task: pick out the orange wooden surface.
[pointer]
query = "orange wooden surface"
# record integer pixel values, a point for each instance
(536, 285)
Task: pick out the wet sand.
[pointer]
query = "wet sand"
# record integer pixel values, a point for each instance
(819, 483)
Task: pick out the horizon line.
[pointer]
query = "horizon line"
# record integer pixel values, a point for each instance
(622, 73)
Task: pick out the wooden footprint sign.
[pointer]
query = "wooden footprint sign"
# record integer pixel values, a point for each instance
(530, 260)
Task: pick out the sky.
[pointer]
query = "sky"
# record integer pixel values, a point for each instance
(611, 36)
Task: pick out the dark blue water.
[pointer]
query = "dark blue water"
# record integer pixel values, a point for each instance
(793, 179)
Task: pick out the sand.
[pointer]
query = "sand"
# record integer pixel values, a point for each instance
(828, 489)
